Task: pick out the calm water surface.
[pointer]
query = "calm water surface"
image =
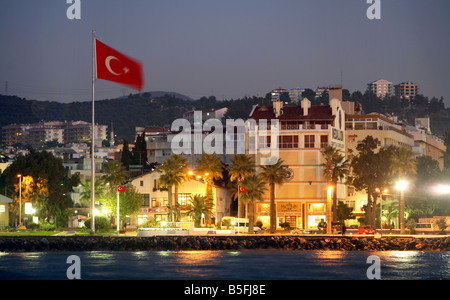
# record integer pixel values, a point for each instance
(226, 265)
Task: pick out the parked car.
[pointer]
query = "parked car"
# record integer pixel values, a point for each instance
(365, 229)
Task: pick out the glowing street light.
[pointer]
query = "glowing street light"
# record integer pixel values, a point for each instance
(402, 185)
(20, 199)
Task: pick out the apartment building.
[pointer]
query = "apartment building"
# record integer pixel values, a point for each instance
(38, 134)
(381, 87)
(406, 90)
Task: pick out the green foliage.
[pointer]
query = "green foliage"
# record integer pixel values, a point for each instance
(411, 225)
(197, 206)
(442, 225)
(101, 223)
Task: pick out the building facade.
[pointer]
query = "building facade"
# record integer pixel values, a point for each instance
(381, 87)
(304, 131)
(38, 134)
(155, 203)
(406, 90)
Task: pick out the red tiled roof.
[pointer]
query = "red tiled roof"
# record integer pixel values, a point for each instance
(315, 112)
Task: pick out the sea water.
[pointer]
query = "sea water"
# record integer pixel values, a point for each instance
(226, 265)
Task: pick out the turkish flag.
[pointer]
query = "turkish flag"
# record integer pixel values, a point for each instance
(242, 189)
(121, 189)
(115, 66)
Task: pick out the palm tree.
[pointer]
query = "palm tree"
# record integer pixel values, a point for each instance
(86, 193)
(336, 167)
(274, 174)
(242, 165)
(115, 174)
(256, 188)
(175, 170)
(211, 166)
(199, 205)
(402, 165)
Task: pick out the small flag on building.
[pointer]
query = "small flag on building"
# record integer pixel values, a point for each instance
(242, 189)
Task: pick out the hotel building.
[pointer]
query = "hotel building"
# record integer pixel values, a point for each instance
(303, 132)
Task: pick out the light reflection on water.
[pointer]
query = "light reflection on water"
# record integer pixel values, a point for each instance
(223, 265)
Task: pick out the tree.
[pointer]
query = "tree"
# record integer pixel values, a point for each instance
(199, 205)
(114, 173)
(85, 195)
(256, 188)
(175, 171)
(126, 155)
(139, 153)
(336, 167)
(242, 165)
(274, 174)
(211, 166)
(51, 184)
(343, 212)
(370, 171)
(129, 202)
(402, 166)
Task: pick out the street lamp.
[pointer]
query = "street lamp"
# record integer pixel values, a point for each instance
(402, 185)
(20, 199)
(329, 213)
(385, 191)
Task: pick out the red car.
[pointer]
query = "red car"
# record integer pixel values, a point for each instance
(365, 229)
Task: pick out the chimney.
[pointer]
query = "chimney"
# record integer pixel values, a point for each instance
(306, 104)
(277, 106)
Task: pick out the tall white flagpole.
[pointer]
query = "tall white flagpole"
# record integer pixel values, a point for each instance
(93, 139)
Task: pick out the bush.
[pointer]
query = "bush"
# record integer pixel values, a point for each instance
(442, 225)
(32, 226)
(45, 226)
(411, 225)
(101, 223)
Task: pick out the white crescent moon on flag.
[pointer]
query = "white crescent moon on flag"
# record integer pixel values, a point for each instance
(108, 66)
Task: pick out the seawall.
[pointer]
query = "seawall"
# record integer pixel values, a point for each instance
(173, 243)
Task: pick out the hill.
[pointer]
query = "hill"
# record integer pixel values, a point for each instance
(161, 108)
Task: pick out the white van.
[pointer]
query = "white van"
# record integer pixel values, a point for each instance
(242, 227)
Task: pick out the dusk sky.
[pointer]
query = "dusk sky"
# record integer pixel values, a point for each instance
(228, 49)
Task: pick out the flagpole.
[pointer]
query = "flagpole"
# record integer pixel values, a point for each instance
(238, 208)
(118, 219)
(93, 139)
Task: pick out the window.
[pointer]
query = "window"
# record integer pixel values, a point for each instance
(309, 141)
(141, 183)
(2, 208)
(146, 200)
(183, 199)
(159, 202)
(288, 141)
(323, 141)
(264, 142)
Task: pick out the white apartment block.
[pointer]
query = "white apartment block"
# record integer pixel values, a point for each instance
(382, 88)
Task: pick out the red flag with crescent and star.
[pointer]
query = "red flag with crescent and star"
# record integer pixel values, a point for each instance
(242, 189)
(121, 189)
(117, 67)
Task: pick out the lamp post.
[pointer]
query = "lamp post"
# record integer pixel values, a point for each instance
(402, 185)
(329, 213)
(20, 199)
(385, 191)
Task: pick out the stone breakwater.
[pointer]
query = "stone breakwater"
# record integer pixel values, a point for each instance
(161, 243)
